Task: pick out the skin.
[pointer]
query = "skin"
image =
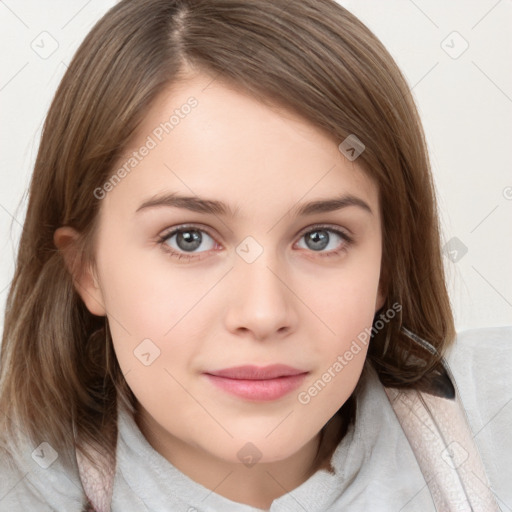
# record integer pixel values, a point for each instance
(292, 305)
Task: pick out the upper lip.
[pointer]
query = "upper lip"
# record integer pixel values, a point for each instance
(251, 372)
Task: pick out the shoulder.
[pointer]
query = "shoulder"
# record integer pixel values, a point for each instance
(27, 485)
(489, 340)
(481, 363)
(16, 491)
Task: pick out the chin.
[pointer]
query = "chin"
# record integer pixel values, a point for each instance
(260, 450)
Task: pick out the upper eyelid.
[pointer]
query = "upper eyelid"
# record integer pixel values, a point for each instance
(166, 233)
(323, 226)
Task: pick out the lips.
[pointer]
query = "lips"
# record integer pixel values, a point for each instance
(258, 383)
(250, 372)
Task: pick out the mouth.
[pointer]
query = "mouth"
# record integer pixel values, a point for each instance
(263, 383)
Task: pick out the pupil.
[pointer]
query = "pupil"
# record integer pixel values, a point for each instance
(188, 241)
(319, 238)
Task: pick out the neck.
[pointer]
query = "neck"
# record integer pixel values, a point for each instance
(258, 485)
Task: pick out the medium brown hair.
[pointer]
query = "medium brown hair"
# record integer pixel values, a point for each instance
(312, 57)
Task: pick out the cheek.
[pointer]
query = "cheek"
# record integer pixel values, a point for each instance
(155, 321)
(345, 300)
(340, 360)
(346, 309)
(146, 295)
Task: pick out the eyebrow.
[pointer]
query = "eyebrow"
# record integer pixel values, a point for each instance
(211, 206)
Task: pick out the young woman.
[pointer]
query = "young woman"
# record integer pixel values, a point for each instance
(229, 292)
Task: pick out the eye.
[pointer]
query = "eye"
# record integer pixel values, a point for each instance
(322, 237)
(186, 239)
(184, 242)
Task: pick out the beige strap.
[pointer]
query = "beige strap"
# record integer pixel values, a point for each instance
(442, 441)
(98, 482)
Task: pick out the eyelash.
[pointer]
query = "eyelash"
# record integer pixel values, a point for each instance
(162, 239)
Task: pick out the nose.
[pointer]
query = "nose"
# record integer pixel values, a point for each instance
(261, 303)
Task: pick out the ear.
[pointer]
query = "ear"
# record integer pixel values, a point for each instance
(84, 278)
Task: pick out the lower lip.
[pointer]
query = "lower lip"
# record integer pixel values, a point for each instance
(259, 390)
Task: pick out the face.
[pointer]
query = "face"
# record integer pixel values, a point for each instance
(242, 274)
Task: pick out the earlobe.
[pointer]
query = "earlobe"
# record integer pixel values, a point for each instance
(84, 277)
(381, 299)
(381, 295)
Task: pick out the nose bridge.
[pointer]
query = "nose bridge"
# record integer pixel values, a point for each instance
(257, 265)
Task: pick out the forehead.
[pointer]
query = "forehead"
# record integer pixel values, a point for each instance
(204, 137)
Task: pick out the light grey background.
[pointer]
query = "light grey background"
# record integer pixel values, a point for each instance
(464, 96)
